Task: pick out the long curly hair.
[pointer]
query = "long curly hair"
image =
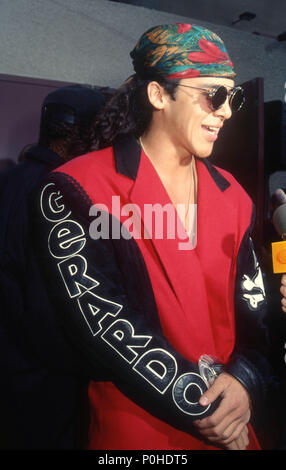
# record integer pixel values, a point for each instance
(129, 111)
(74, 139)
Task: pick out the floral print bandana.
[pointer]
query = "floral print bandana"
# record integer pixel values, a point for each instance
(179, 51)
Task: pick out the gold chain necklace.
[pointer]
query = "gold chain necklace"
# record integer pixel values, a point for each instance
(142, 146)
(190, 190)
(193, 184)
(193, 180)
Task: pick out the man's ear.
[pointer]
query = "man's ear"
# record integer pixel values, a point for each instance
(156, 95)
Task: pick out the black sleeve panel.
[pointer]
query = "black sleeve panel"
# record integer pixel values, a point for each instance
(250, 362)
(102, 293)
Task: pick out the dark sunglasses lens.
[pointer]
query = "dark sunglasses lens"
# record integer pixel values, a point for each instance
(219, 97)
(237, 99)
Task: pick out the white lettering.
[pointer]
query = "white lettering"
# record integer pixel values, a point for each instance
(51, 207)
(73, 271)
(95, 309)
(66, 239)
(120, 336)
(187, 390)
(157, 366)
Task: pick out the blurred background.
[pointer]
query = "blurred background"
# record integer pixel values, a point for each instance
(45, 44)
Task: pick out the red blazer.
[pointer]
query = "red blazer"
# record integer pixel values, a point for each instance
(197, 295)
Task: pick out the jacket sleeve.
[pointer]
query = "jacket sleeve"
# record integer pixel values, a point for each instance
(250, 362)
(106, 306)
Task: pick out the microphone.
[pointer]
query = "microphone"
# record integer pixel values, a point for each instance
(278, 202)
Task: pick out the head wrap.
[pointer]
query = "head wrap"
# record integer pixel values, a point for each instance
(179, 51)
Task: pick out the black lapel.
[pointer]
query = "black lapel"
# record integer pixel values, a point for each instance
(218, 178)
(127, 153)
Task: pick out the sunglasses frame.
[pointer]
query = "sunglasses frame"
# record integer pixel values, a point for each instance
(210, 92)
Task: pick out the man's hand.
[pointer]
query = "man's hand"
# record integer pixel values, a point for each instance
(227, 426)
(241, 442)
(283, 292)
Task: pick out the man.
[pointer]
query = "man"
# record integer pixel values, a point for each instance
(39, 389)
(143, 307)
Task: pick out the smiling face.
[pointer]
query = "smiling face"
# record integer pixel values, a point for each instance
(189, 121)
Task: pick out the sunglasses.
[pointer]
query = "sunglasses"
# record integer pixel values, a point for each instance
(218, 94)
